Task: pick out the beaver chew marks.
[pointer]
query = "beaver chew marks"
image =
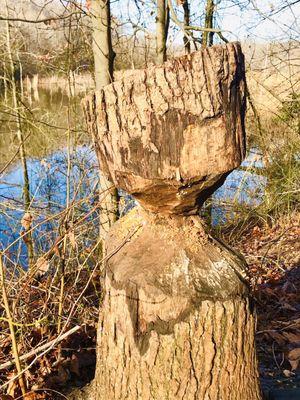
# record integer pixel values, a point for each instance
(170, 134)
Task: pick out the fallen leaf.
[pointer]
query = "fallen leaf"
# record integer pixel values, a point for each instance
(292, 337)
(26, 221)
(294, 358)
(277, 337)
(256, 231)
(30, 396)
(42, 265)
(287, 373)
(12, 386)
(34, 396)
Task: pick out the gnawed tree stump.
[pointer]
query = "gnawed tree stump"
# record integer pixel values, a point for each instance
(176, 322)
(170, 134)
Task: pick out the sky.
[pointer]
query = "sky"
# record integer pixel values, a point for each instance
(261, 25)
(252, 20)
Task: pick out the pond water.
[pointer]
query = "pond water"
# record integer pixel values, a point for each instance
(48, 183)
(48, 175)
(242, 186)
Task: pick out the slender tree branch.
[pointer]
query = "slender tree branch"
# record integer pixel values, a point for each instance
(39, 21)
(43, 347)
(14, 343)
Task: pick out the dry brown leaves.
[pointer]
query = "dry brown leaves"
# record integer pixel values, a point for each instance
(72, 361)
(273, 256)
(26, 221)
(42, 265)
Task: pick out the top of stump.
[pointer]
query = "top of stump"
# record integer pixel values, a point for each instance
(170, 134)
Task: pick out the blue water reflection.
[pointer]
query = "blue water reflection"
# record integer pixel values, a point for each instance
(48, 186)
(242, 186)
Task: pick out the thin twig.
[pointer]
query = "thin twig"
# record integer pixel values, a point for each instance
(39, 21)
(43, 347)
(14, 156)
(12, 330)
(108, 256)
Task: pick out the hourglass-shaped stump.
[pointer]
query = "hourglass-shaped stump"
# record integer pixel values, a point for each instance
(176, 321)
(170, 134)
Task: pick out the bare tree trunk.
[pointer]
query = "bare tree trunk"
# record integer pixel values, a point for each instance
(102, 44)
(186, 11)
(162, 25)
(26, 186)
(104, 60)
(177, 321)
(208, 37)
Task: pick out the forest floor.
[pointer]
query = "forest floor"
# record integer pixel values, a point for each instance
(273, 256)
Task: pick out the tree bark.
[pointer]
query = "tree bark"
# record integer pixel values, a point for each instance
(176, 322)
(104, 60)
(208, 37)
(186, 13)
(162, 25)
(170, 134)
(102, 44)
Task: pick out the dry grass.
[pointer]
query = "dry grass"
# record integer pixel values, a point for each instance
(269, 90)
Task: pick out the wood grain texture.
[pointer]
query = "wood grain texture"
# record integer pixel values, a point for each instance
(170, 134)
(176, 321)
(209, 355)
